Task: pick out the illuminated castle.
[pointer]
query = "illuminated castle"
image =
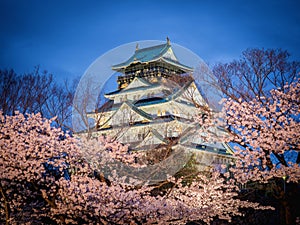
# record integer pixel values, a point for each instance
(155, 106)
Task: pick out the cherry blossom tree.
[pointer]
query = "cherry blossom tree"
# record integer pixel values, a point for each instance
(46, 179)
(256, 84)
(33, 156)
(265, 134)
(266, 131)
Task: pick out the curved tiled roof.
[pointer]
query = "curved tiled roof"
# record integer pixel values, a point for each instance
(151, 54)
(134, 89)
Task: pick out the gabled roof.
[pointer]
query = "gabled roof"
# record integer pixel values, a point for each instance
(189, 137)
(162, 52)
(138, 84)
(134, 109)
(224, 150)
(181, 90)
(106, 107)
(151, 135)
(139, 111)
(196, 95)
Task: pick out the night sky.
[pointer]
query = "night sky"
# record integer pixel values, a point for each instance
(65, 37)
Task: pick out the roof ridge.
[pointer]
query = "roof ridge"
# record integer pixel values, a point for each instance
(157, 135)
(151, 54)
(124, 90)
(151, 47)
(139, 111)
(134, 108)
(177, 62)
(144, 80)
(181, 89)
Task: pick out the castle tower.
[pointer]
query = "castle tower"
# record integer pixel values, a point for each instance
(155, 105)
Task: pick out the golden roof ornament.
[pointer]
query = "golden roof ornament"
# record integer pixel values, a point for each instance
(168, 41)
(137, 47)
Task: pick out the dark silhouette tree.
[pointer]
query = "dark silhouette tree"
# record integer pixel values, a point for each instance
(255, 74)
(36, 92)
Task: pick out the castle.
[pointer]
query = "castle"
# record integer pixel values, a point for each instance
(155, 106)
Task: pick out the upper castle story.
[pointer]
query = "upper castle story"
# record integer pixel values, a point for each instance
(154, 61)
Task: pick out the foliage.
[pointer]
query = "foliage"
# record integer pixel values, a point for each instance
(34, 193)
(264, 132)
(49, 177)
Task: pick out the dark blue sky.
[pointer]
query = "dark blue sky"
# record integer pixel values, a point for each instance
(65, 37)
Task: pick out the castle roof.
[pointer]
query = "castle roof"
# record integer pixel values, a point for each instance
(161, 52)
(138, 84)
(151, 135)
(144, 101)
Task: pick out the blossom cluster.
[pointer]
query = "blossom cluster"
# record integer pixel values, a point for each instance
(46, 178)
